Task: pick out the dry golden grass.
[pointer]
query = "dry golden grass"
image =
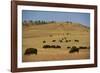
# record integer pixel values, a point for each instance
(34, 35)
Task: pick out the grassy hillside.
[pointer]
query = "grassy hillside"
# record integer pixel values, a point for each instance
(65, 35)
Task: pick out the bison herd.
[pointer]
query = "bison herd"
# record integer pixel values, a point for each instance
(72, 49)
(62, 40)
(51, 46)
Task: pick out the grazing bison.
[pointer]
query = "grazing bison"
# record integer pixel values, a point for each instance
(60, 41)
(69, 40)
(66, 41)
(53, 40)
(53, 46)
(58, 46)
(46, 46)
(44, 41)
(74, 49)
(68, 47)
(76, 40)
(30, 51)
(83, 47)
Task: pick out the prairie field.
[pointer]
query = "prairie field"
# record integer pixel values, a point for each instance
(62, 34)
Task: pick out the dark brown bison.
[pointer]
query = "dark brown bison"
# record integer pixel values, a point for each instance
(60, 41)
(30, 51)
(55, 46)
(74, 49)
(76, 40)
(53, 40)
(52, 46)
(83, 47)
(68, 47)
(66, 41)
(44, 41)
(58, 46)
(46, 46)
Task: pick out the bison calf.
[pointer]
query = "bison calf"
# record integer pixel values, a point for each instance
(30, 51)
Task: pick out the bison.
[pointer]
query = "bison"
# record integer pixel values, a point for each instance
(76, 40)
(53, 46)
(68, 47)
(58, 46)
(83, 47)
(44, 41)
(69, 40)
(46, 46)
(66, 41)
(74, 49)
(53, 40)
(30, 51)
(60, 41)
